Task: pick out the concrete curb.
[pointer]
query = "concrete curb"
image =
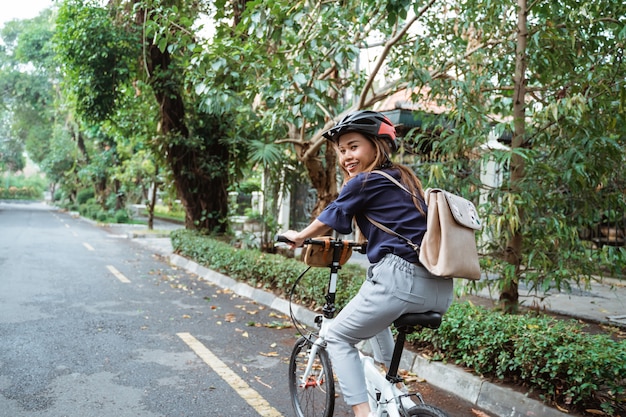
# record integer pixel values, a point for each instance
(493, 398)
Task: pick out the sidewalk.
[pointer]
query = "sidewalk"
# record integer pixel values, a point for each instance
(603, 303)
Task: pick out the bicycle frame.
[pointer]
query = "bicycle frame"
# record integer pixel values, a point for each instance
(389, 396)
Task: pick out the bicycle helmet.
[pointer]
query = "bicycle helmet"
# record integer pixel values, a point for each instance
(368, 122)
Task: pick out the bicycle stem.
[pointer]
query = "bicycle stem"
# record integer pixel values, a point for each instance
(329, 308)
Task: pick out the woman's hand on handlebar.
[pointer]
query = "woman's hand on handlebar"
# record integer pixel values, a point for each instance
(294, 241)
(316, 228)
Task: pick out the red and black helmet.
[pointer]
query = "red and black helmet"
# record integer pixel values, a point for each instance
(367, 122)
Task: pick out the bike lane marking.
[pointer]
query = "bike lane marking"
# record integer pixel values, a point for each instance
(239, 385)
(118, 274)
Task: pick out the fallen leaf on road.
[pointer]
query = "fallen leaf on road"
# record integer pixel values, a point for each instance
(479, 413)
(258, 379)
(278, 325)
(269, 354)
(186, 316)
(596, 412)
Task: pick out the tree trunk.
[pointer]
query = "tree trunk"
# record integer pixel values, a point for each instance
(323, 176)
(153, 198)
(509, 295)
(203, 194)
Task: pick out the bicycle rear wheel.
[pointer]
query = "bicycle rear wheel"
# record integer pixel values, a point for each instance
(425, 410)
(315, 395)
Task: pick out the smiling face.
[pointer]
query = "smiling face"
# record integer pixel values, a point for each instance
(356, 153)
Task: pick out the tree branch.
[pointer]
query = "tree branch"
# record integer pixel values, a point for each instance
(386, 49)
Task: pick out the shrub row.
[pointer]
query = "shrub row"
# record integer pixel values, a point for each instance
(556, 358)
(95, 211)
(20, 193)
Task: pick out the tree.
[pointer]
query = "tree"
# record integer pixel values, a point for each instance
(25, 80)
(550, 75)
(97, 41)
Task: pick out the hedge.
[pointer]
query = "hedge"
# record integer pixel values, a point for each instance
(565, 365)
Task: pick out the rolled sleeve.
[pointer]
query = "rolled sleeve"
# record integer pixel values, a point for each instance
(334, 217)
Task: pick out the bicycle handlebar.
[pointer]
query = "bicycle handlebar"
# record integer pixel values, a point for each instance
(282, 239)
(358, 247)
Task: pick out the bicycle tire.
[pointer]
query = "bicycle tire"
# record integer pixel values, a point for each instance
(425, 410)
(317, 397)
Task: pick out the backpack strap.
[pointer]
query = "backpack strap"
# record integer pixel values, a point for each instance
(382, 226)
(392, 179)
(391, 232)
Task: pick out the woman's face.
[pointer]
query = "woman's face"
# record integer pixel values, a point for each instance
(356, 152)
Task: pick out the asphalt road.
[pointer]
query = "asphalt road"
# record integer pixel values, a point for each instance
(93, 324)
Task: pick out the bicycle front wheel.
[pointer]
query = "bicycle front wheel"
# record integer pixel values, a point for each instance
(425, 410)
(313, 394)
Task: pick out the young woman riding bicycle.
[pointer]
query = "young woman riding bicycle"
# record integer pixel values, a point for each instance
(396, 282)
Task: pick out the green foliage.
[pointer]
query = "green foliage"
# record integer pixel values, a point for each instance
(19, 187)
(173, 212)
(121, 216)
(95, 55)
(82, 196)
(555, 358)
(90, 209)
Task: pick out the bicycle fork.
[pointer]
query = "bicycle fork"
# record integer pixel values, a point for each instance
(315, 346)
(306, 381)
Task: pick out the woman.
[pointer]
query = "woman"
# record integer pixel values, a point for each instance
(396, 282)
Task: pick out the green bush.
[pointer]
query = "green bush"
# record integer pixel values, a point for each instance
(263, 270)
(121, 216)
(84, 195)
(90, 209)
(556, 358)
(19, 187)
(102, 216)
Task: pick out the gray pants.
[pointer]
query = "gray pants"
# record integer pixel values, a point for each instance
(393, 287)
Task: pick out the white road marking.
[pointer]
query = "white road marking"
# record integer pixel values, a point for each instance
(88, 246)
(118, 274)
(239, 385)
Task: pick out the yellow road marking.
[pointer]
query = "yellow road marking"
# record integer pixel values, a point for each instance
(239, 385)
(118, 274)
(88, 246)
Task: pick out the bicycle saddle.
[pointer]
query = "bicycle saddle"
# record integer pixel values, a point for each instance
(430, 319)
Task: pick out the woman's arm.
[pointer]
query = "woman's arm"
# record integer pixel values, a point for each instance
(316, 228)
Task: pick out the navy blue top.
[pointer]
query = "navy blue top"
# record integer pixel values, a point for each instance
(373, 195)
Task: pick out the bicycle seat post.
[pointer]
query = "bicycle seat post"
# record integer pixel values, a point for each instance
(392, 373)
(406, 324)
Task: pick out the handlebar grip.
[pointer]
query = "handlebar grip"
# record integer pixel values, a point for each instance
(282, 239)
